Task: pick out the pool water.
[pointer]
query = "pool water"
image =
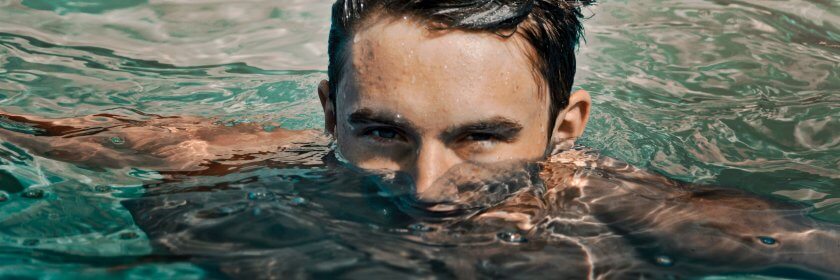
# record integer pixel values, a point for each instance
(739, 94)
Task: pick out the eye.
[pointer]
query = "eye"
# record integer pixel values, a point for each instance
(384, 134)
(480, 137)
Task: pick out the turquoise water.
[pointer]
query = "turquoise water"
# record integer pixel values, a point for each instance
(737, 94)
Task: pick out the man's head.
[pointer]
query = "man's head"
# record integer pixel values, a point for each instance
(421, 86)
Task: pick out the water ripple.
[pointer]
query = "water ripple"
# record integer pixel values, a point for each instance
(735, 93)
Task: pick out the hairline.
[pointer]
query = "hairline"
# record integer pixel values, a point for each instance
(344, 53)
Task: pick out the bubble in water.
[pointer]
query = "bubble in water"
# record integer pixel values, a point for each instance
(102, 188)
(260, 196)
(33, 193)
(663, 260)
(117, 140)
(128, 235)
(766, 240)
(298, 201)
(512, 237)
(31, 242)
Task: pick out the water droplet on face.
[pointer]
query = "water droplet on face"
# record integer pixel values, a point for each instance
(511, 237)
(298, 201)
(664, 261)
(33, 193)
(31, 242)
(117, 140)
(128, 235)
(766, 240)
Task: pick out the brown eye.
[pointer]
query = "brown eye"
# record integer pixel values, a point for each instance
(480, 137)
(384, 133)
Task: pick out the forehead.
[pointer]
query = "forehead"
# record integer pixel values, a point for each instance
(396, 60)
(407, 46)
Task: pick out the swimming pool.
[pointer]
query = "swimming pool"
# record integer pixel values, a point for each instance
(737, 94)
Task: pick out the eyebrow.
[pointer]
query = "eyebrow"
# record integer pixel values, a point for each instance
(369, 116)
(499, 125)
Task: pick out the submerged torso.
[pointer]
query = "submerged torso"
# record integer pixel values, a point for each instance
(584, 214)
(245, 202)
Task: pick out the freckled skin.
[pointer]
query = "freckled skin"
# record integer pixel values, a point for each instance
(165, 144)
(436, 80)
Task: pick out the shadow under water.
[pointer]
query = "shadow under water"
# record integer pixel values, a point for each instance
(578, 215)
(740, 94)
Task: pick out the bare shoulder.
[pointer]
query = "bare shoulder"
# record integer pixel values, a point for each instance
(680, 218)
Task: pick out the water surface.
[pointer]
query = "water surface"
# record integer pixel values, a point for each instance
(740, 94)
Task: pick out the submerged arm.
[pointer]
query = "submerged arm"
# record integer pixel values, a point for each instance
(698, 226)
(151, 142)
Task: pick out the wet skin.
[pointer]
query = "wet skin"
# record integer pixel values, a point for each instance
(426, 102)
(421, 101)
(653, 214)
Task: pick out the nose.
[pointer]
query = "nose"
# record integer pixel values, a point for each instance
(432, 162)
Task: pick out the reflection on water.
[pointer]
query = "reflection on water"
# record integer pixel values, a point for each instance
(463, 190)
(596, 217)
(733, 93)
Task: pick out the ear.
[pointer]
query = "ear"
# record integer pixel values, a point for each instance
(571, 122)
(328, 105)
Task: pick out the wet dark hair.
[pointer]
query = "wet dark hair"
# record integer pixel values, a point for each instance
(551, 27)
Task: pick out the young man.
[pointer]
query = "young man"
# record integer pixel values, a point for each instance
(420, 86)
(457, 96)
(416, 87)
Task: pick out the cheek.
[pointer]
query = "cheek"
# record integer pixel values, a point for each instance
(534, 140)
(348, 144)
(533, 146)
(525, 150)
